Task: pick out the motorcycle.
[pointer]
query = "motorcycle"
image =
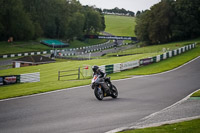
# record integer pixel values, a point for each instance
(103, 87)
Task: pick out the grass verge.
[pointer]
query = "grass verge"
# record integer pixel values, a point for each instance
(197, 94)
(162, 66)
(49, 73)
(87, 42)
(21, 47)
(182, 127)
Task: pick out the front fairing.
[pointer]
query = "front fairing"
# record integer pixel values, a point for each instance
(96, 81)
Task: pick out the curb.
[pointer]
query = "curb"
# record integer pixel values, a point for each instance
(161, 123)
(166, 122)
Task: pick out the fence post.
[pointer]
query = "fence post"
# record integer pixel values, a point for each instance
(58, 75)
(79, 71)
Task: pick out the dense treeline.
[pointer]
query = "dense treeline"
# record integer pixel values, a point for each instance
(30, 19)
(169, 20)
(117, 10)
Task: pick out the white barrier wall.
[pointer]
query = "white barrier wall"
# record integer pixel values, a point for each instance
(117, 67)
(179, 50)
(103, 68)
(157, 58)
(183, 49)
(190, 46)
(165, 56)
(175, 52)
(186, 48)
(130, 64)
(170, 53)
(30, 77)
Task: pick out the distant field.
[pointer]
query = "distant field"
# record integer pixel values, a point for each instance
(120, 25)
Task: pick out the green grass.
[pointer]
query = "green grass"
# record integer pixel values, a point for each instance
(21, 47)
(87, 42)
(49, 72)
(155, 48)
(182, 127)
(197, 94)
(120, 25)
(162, 66)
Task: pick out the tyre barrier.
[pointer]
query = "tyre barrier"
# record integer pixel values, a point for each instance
(70, 52)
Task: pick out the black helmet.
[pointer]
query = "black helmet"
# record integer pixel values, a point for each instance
(95, 68)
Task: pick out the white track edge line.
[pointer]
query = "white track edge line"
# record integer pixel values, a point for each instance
(20, 97)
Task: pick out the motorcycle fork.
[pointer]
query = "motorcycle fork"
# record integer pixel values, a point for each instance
(102, 90)
(99, 87)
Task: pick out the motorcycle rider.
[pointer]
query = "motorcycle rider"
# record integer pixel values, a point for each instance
(97, 71)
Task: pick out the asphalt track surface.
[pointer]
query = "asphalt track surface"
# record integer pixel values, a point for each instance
(77, 110)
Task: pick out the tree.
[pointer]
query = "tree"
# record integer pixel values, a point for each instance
(76, 26)
(169, 20)
(138, 13)
(120, 11)
(160, 23)
(30, 19)
(93, 21)
(187, 20)
(141, 28)
(15, 21)
(103, 27)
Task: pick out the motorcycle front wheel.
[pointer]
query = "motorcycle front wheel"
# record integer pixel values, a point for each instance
(98, 92)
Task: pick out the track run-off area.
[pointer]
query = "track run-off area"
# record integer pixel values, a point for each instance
(76, 110)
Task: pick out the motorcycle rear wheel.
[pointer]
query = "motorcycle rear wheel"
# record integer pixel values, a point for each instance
(114, 92)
